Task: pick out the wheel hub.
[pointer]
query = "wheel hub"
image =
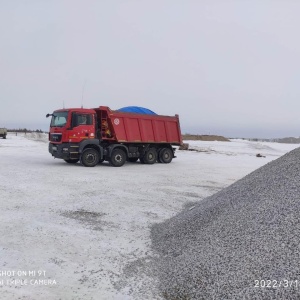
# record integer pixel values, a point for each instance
(118, 158)
(90, 158)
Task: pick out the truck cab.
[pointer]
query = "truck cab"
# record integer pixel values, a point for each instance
(69, 129)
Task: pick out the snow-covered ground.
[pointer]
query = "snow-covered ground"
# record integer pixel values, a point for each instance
(70, 232)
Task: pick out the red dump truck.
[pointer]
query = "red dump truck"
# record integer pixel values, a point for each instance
(92, 136)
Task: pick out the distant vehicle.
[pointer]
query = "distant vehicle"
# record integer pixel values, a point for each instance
(94, 135)
(3, 132)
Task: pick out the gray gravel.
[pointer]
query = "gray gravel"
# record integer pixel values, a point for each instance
(249, 231)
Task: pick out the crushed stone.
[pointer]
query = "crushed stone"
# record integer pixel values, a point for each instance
(240, 243)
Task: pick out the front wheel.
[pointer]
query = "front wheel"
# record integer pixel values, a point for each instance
(118, 158)
(90, 157)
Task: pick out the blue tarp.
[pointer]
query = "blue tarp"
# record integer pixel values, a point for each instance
(137, 110)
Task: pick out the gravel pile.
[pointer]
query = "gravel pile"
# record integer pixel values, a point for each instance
(241, 243)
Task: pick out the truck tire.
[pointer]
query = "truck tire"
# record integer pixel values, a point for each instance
(118, 158)
(4, 136)
(71, 161)
(90, 157)
(158, 155)
(166, 155)
(150, 156)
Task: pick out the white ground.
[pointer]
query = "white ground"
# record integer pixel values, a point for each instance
(88, 229)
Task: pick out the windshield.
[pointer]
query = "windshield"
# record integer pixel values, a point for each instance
(59, 119)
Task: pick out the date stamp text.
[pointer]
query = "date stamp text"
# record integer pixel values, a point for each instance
(275, 284)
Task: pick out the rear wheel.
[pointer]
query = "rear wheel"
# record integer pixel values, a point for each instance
(150, 156)
(166, 155)
(71, 161)
(118, 158)
(90, 157)
(158, 155)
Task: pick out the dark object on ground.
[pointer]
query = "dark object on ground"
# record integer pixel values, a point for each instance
(260, 155)
(184, 146)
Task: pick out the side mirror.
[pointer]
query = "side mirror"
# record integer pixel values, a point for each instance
(48, 115)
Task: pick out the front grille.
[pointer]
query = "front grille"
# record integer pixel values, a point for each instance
(55, 137)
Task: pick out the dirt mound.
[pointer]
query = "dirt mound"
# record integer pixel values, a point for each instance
(196, 137)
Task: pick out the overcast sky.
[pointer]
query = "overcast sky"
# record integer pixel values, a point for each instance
(226, 67)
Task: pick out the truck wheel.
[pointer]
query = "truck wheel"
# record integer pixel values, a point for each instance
(118, 158)
(133, 159)
(166, 155)
(150, 156)
(90, 157)
(4, 136)
(71, 161)
(158, 155)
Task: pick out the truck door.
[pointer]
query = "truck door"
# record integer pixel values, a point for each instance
(83, 125)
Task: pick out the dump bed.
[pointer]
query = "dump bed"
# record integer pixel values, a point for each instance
(141, 128)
